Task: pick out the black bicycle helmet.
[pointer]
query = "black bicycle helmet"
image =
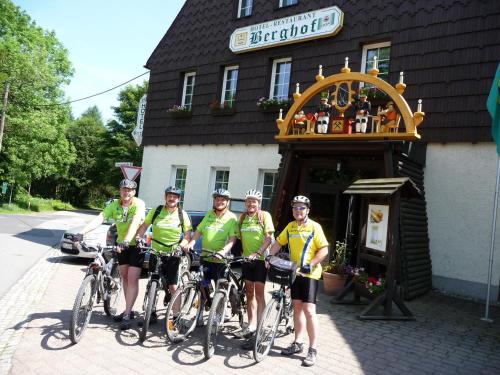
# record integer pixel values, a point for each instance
(173, 190)
(128, 184)
(301, 199)
(221, 193)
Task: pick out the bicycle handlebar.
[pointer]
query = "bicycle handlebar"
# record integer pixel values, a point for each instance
(228, 258)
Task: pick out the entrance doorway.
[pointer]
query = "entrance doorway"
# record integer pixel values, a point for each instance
(324, 182)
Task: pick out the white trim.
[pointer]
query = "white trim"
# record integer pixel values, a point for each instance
(239, 9)
(281, 3)
(260, 178)
(213, 173)
(366, 47)
(173, 173)
(273, 74)
(224, 83)
(186, 76)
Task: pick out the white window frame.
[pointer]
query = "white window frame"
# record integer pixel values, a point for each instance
(250, 7)
(273, 75)
(173, 179)
(284, 3)
(224, 84)
(260, 181)
(365, 53)
(184, 89)
(213, 174)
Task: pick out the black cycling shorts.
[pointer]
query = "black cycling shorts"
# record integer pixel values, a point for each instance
(170, 269)
(254, 271)
(305, 289)
(212, 271)
(131, 256)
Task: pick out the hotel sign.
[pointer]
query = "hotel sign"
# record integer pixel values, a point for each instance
(316, 24)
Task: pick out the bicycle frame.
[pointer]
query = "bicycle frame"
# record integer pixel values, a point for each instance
(102, 269)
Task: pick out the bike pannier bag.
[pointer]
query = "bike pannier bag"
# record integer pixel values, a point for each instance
(281, 271)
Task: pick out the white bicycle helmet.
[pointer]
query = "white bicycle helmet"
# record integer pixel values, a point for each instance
(301, 199)
(253, 194)
(128, 184)
(221, 193)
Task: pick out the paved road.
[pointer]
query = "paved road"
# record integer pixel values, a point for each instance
(26, 238)
(447, 338)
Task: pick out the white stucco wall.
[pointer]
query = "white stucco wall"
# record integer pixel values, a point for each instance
(243, 162)
(460, 186)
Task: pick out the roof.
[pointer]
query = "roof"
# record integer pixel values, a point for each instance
(448, 50)
(383, 187)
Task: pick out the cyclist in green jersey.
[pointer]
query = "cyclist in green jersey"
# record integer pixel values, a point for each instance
(169, 231)
(219, 230)
(128, 213)
(256, 232)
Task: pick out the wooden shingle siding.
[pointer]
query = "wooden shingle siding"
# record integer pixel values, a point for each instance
(415, 258)
(448, 49)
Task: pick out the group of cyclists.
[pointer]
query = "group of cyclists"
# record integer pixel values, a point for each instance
(220, 228)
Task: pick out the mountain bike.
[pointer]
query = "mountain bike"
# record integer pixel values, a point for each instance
(230, 287)
(278, 309)
(185, 305)
(101, 282)
(157, 282)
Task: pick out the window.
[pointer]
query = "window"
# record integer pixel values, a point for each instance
(180, 180)
(244, 8)
(268, 179)
(221, 179)
(285, 3)
(280, 78)
(382, 51)
(188, 89)
(229, 86)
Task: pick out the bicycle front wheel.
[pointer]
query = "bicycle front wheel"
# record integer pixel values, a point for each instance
(113, 292)
(266, 331)
(82, 308)
(215, 321)
(182, 312)
(150, 307)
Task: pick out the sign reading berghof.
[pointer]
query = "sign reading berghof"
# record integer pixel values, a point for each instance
(316, 24)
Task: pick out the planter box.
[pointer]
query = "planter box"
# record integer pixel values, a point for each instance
(275, 109)
(222, 111)
(333, 283)
(180, 114)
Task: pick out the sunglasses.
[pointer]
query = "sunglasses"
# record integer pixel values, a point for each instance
(299, 208)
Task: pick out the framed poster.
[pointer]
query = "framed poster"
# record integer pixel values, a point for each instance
(376, 228)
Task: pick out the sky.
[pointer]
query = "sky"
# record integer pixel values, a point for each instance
(109, 42)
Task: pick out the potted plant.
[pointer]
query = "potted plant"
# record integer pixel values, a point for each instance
(179, 111)
(364, 284)
(335, 272)
(273, 104)
(221, 109)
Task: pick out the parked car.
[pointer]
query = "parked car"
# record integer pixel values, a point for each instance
(104, 235)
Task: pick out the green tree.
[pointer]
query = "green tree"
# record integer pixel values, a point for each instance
(87, 135)
(120, 146)
(36, 65)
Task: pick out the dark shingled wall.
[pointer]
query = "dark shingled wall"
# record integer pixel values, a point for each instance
(448, 49)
